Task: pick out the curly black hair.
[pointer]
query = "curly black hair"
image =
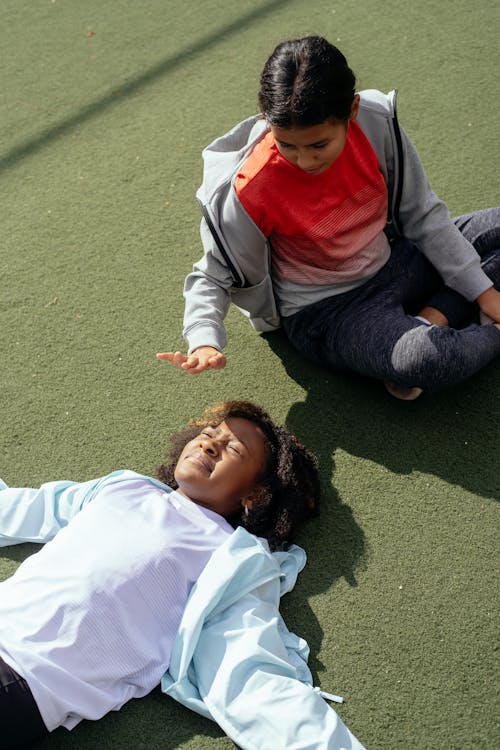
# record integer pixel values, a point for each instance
(290, 486)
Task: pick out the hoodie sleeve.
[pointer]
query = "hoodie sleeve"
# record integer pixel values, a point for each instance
(425, 220)
(206, 293)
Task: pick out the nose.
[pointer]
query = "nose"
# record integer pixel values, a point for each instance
(209, 445)
(306, 160)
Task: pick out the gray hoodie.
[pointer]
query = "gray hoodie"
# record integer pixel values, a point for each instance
(236, 265)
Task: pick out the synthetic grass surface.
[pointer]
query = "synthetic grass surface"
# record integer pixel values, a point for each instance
(105, 110)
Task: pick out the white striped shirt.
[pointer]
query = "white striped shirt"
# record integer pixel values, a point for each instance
(90, 620)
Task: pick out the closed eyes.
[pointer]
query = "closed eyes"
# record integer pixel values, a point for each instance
(235, 448)
(316, 146)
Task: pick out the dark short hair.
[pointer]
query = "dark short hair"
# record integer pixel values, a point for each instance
(290, 486)
(305, 82)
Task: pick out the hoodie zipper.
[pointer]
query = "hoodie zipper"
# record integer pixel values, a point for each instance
(238, 281)
(400, 174)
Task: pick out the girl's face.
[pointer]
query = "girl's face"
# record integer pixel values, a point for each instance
(313, 149)
(222, 466)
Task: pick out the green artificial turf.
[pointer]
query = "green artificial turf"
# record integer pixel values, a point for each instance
(105, 107)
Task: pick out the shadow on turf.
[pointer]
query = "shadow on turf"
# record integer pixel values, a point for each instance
(354, 414)
(120, 93)
(450, 435)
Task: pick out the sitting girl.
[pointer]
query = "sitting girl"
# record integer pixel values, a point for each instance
(318, 213)
(111, 606)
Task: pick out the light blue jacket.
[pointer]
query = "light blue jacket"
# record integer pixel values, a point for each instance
(233, 660)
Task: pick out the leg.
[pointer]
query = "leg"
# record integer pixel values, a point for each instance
(407, 276)
(432, 357)
(20, 718)
(388, 344)
(368, 330)
(482, 229)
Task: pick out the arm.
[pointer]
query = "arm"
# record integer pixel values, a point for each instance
(206, 292)
(425, 220)
(252, 689)
(234, 660)
(36, 515)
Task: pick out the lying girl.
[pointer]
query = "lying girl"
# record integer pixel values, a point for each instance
(142, 578)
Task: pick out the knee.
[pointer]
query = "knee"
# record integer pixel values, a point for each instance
(482, 229)
(420, 356)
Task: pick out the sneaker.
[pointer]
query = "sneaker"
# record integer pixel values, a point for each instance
(403, 392)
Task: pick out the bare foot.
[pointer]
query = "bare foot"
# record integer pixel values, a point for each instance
(434, 316)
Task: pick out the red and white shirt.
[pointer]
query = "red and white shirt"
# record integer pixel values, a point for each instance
(326, 230)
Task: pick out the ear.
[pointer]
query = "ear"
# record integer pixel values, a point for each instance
(354, 108)
(253, 499)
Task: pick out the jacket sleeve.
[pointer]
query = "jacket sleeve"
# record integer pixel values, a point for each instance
(425, 220)
(252, 688)
(234, 660)
(206, 292)
(36, 515)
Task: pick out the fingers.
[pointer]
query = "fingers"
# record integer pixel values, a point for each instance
(196, 362)
(217, 362)
(177, 358)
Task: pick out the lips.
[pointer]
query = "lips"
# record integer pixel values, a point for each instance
(201, 460)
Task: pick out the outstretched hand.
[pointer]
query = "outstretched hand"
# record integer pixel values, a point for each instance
(203, 358)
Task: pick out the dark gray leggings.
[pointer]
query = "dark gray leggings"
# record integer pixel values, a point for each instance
(372, 329)
(21, 725)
